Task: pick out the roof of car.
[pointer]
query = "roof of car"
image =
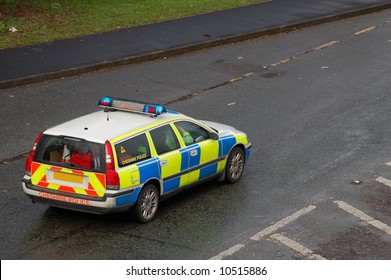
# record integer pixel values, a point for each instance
(101, 126)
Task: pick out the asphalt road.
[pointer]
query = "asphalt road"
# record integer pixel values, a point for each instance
(315, 104)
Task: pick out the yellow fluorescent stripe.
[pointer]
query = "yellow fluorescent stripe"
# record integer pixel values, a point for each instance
(366, 30)
(53, 186)
(221, 165)
(66, 175)
(209, 151)
(129, 176)
(79, 191)
(184, 180)
(173, 166)
(39, 174)
(151, 144)
(241, 138)
(95, 183)
(193, 176)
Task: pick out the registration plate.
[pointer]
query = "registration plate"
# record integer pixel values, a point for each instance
(67, 177)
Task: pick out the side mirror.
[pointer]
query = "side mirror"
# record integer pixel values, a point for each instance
(214, 136)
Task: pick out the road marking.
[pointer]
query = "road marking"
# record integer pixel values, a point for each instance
(366, 30)
(296, 246)
(329, 44)
(321, 47)
(266, 231)
(236, 79)
(282, 223)
(283, 61)
(240, 77)
(389, 163)
(206, 90)
(364, 217)
(384, 181)
(228, 252)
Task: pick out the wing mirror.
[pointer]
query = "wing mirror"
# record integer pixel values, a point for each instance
(213, 136)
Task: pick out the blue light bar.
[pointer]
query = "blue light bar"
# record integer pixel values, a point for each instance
(131, 106)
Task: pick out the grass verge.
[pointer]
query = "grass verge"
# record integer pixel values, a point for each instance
(47, 20)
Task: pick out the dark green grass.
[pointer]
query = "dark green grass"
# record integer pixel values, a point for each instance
(47, 20)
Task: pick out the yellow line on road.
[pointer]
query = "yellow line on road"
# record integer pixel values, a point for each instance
(366, 30)
(329, 44)
(283, 61)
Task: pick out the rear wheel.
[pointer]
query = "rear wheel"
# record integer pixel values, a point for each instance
(235, 165)
(147, 204)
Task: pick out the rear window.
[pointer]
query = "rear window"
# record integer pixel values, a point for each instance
(70, 152)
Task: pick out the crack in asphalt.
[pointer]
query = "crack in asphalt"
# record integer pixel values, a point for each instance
(15, 158)
(194, 94)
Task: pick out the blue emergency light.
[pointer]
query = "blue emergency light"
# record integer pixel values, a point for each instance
(131, 106)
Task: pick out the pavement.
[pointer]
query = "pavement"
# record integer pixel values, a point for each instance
(35, 63)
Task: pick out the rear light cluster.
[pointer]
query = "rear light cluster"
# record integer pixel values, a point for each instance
(29, 160)
(112, 178)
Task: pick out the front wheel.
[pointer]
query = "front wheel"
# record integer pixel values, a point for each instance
(147, 204)
(235, 165)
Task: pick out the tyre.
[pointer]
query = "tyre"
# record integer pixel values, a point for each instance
(235, 165)
(147, 204)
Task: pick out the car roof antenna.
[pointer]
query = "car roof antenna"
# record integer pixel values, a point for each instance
(107, 114)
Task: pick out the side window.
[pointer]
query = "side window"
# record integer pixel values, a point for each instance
(164, 139)
(191, 132)
(133, 150)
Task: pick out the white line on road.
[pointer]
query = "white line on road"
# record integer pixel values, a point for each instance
(266, 231)
(389, 163)
(228, 252)
(297, 247)
(282, 223)
(384, 181)
(364, 217)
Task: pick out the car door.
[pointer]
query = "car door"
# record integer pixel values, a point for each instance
(204, 152)
(173, 161)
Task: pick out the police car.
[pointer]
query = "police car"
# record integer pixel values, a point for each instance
(129, 156)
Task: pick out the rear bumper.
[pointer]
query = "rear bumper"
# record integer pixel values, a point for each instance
(111, 203)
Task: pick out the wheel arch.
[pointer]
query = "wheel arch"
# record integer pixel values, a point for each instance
(156, 183)
(242, 147)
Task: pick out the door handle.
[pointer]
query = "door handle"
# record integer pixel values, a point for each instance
(163, 162)
(193, 153)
